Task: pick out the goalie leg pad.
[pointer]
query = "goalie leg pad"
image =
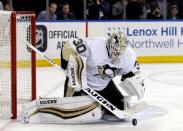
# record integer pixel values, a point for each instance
(76, 72)
(80, 109)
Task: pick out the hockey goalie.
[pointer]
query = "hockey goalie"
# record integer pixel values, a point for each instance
(91, 64)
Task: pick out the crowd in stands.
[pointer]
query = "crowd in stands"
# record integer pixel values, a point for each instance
(108, 10)
(135, 9)
(51, 14)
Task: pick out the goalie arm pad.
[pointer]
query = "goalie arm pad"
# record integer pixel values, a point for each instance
(74, 64)
(75, 71)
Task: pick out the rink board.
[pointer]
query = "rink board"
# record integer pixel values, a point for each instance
(153, 41)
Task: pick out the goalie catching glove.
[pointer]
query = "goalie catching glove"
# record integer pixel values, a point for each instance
(134, 86)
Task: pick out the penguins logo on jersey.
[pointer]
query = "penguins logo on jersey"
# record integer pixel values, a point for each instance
(105, 71)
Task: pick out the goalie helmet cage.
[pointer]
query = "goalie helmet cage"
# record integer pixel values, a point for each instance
(17, 61)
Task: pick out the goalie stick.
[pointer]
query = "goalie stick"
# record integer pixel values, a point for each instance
(121, 114)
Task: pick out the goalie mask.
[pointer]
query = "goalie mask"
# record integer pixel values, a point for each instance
(116, 45)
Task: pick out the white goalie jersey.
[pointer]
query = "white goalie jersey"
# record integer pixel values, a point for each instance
(99, 69)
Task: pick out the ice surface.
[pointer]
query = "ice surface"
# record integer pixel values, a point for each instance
(164, 92)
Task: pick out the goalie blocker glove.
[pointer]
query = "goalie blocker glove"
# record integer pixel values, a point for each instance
(133, 82)
(134, 86)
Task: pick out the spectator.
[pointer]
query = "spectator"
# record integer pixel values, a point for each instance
(179, 4)
(48, 14)
(1, 6)
(145, 9)
(8, 7)
(155, 14)
(173, 12)
(93, 10)
(100, 9)
(134, 10)
(105, 8)
(65, 13)
(117, 10)
(160, 5)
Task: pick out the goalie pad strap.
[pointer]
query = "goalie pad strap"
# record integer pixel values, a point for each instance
(69, 92)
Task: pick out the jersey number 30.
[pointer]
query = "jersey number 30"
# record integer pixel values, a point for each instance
(80, 47)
